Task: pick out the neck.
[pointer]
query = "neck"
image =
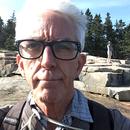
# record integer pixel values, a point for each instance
(55, 111)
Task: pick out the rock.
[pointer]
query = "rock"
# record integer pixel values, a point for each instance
(127, 61)
(119, 93)
(100, 75)
(79, 85)
(13, 83)
(7, 63)
(123, 95)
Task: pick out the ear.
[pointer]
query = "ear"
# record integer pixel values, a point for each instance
(81, 63)
(19, 62)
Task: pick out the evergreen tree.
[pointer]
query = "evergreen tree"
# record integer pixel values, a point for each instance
(1, 24)
(97, 43)
(2, 36)
(109, 33)
(10, 33)
(126, 45)
(88, 37)
(119, 37)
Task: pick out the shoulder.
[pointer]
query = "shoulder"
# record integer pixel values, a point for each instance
(96, 109)
(3, 111)
(100, 113)
(10, 115)
(120, 121)
(93, 105)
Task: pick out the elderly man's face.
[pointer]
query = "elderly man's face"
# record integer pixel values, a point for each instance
(51, 79)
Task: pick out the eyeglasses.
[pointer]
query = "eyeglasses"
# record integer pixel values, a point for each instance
(62, 49)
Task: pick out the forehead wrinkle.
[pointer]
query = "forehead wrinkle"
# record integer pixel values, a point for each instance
(56, 23)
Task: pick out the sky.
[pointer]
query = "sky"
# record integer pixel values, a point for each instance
(118, 9)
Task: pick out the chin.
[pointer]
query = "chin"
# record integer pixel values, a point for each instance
(50, 96)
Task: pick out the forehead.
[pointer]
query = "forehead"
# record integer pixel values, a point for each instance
(58, 26)
(51, 25)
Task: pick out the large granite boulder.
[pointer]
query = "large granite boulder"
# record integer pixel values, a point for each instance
(109, 79)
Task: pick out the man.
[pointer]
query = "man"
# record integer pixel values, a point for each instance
(50, 37)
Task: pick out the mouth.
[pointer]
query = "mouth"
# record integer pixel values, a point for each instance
(48, 83)
(48, 80)
(44, 75)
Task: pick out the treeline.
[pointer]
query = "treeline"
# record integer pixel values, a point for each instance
(97, 35)
(100, 33)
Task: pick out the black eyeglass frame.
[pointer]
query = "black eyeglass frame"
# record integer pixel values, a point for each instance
(50, 44)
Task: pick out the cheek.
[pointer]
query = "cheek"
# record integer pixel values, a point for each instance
(31, 64)
(29, 71)
(28, 66)
(69, 68)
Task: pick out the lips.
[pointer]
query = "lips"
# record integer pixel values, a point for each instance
(46, 75)
(49, 79)
(48, 84)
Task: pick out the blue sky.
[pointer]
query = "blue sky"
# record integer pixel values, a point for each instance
(119, 9)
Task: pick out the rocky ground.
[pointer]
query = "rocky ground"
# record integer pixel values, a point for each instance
(124, 107)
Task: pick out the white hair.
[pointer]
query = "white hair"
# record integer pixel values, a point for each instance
(29, 20)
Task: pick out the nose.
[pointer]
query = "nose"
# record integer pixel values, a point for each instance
(48, 60)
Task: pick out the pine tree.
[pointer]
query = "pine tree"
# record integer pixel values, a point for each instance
(119, 38)
(109, 34)
(88, 37)
(10, 33)
(97, 43)
(126, 45)
(2, 36)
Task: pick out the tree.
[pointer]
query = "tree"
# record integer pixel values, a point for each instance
(109, 33)
(10, 33)
(2, 36)
(126, 45)
(1, 24)
(88, 37)
(119, 38)
(96, 47)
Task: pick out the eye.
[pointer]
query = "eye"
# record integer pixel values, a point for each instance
(33, 45)
(65, 46)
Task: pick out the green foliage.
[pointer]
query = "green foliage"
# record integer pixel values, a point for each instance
(119, 38)
(2, 33)
(7, 33)
(95, 41)
(126, 42)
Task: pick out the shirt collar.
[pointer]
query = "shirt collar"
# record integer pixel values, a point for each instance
(80, 108)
